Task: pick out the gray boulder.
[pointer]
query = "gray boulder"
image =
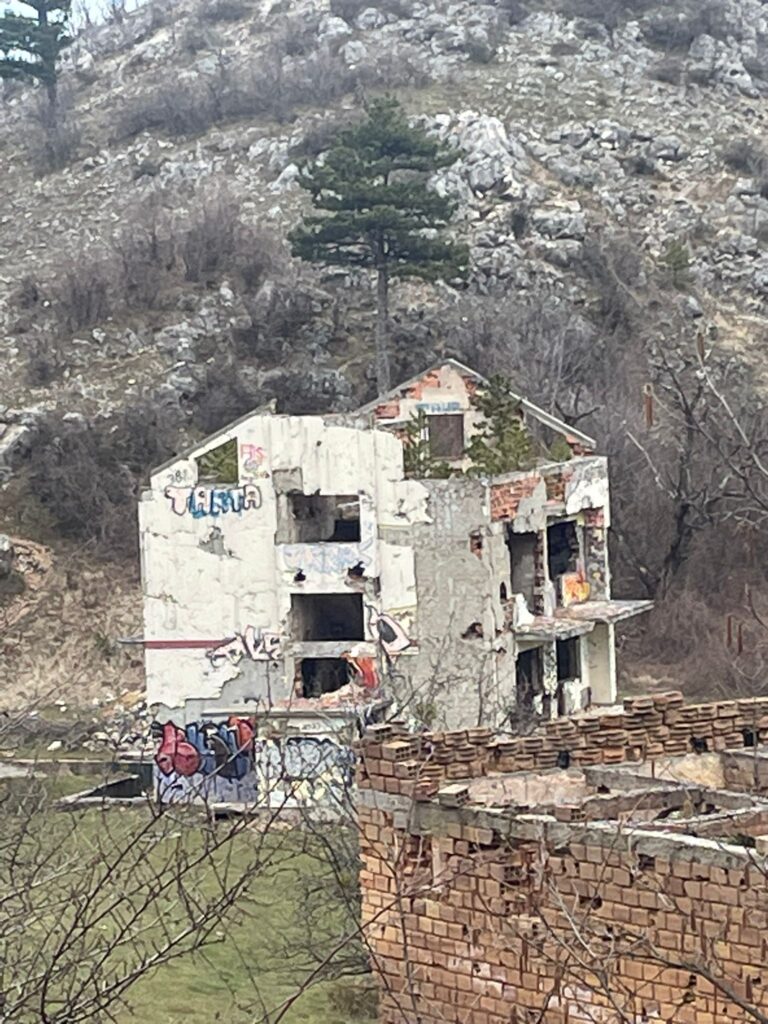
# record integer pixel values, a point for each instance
(7, 555)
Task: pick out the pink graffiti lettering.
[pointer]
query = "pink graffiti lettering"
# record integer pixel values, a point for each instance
(253, 457)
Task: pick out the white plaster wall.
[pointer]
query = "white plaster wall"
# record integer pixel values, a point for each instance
(240, 578)
(587, 485)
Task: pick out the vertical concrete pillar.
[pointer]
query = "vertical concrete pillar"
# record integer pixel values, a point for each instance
(601, 663)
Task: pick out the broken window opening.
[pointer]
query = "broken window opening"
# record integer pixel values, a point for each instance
(327, 617)
(322, 675)
(522, 559)
(529, 680)
(219, 465)
(320, 519)
(568, 659)
(563, 550)
(473, 632)
(446, 436)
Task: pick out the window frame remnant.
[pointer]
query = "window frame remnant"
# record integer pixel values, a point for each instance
(446, 435)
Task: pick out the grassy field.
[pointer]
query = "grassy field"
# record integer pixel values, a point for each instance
(260, 952)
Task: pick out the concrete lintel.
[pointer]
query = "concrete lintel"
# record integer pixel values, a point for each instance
(431, 819)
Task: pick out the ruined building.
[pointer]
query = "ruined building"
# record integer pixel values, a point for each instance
(311, 565)
(627, 886)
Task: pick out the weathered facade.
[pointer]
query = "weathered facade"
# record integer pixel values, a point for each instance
(289, 564)
(629, 884)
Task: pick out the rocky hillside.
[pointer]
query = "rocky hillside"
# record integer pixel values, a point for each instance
(611, 173)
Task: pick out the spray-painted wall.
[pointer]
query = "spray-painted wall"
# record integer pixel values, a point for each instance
(227, 762)
(431, 567)
(217, 587)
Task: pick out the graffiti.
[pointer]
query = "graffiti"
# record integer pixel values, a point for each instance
(390, 633)
(252, 459)
(435, 408)
(213, 501)
(225, 762)
(574, 589)
(180, 476)
(331, 561)
(256, 645)
(363, 665)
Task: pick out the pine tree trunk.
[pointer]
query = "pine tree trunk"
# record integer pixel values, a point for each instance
(382, 330)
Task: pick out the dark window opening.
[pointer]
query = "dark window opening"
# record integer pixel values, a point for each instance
(562, 549)
(503, 592)
(529, 680)
(446, 436)
(522, 558)
(473, 632)
(327, 617)
(750, 737)
(568, 659)
(219, 465)
(321, 518)
(563, 759)
(323, 675)
(699, 744)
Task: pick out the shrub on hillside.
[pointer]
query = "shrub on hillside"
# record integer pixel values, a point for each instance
(746, 156)
(350, 9)
(670, 71)
(82, 294)
(224, 10)
(173, 106)
(87, 472)
(53, 137)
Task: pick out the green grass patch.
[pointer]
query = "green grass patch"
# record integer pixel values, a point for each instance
(89, 896)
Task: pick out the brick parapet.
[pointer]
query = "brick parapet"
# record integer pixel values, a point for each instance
(482, 916)
(646, 729)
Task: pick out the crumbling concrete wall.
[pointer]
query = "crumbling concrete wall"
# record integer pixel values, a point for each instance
(463, 671)
(217, 588)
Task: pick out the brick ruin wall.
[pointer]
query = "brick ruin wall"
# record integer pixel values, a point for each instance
(483, 916)
(648, 728)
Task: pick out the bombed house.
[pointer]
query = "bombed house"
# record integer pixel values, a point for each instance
(308, 567)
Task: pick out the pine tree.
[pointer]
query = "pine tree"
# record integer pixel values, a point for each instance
(30, 45)
(501, 444)
(379, 212)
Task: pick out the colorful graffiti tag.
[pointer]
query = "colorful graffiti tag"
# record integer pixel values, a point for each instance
(200, 502)
(226, 763)
(258, 645)
(252, 459)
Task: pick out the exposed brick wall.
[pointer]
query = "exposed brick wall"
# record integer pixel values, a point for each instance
(493, 917)
(648, 728)
(387, 410)
(555, 484)
(466, 927)
(506, 497)
(429, 380)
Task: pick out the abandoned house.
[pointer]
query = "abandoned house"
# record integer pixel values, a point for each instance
(607, 868)
(297, 563)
